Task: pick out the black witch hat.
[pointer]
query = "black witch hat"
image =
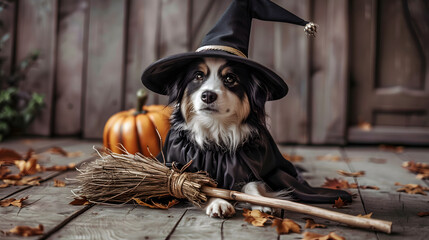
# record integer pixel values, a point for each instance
(229, 39)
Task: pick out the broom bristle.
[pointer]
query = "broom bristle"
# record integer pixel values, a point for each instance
(117, 178)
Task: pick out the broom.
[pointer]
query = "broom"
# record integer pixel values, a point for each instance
(118, 178)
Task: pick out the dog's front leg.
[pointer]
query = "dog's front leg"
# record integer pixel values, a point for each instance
(218, 207)
(257, 189)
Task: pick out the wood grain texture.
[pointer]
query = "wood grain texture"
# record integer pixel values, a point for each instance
(143, 25)
(72, 20)
(48, 159)
(7, 17)
(121, 222)
(401, 208)
(104, 79)
(36, 31)
(330, 73)
(46, 205)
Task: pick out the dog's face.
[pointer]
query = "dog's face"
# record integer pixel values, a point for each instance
(219, 100)
(214, 92)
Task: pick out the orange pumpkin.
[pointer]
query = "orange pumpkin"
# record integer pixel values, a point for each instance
(135, 130)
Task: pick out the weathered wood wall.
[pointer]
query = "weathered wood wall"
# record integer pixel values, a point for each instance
(94, 51)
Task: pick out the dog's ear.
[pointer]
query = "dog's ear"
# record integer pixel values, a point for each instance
(176, 88)
(259, 92)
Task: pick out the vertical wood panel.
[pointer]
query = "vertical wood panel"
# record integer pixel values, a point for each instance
(288, 116)
(174, 31)
(36, 30)
(70, 65)
(142, 46)
(329, 80)
(7, 17)
(104, 77)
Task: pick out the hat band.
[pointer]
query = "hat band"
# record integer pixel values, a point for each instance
(222, 48)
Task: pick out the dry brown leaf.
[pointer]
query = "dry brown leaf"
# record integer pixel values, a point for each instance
(60, 168)
(329, 157)
(4, 171)
(80, 201)
(28, 167)
(155, 204)
(335, 183)
(293, 158)
(316, 236)
(339, 203)
(13, 202)
(27, 231)
(369, 215)
(59, 183)
(378, 160)
(12, 176)
(369, 187)
(284, 226)
(256, 217)
(423, 214)
(8, 156)
(310, 223)
(62, 152)
(4, 185)
(29, 154)
(397, 149)
(351, 174)
(34, 181)
(421, 169)
(412, 188)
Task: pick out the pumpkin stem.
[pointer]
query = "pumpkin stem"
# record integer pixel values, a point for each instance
(141, 100)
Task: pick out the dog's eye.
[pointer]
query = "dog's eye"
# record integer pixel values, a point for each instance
(199, 76)
(230, 79)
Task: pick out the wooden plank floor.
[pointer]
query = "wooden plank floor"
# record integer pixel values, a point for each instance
(49, 205)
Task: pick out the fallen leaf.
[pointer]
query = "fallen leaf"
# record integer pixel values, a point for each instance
(27, 167)
(369, 215)
(4, 171)
(412, 188)
(378, 160)
(310, 223)
(316, 236)
(155, 204)
(34, 181)
(293, 158)
(329, 157)
(4, 185)
(351, 174)
(8, 156)
(80, 201)
(423, 214)
(13, 202)
(284, 226)
(12, 176)
(60, 168)
(256, 217)
(29, 154)
(339, 203)
(421, 169)
(397, 149)
(365, 126)
(335, 183)
(27, 231)
(62, 152)
(369, 187)
(59, 183)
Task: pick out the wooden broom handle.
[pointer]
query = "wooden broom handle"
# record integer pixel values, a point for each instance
(354, 221)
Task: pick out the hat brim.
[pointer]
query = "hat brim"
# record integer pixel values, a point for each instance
(160, 74)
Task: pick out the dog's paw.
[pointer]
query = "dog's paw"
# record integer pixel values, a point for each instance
(221, 208)
(262, 209)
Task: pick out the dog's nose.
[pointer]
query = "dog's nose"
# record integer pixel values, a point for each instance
(208, 97)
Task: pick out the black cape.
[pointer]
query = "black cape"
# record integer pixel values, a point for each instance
(259, 159)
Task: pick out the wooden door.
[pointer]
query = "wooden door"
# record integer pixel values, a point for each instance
(389, 91)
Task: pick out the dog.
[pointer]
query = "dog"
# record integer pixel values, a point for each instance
(220, 105)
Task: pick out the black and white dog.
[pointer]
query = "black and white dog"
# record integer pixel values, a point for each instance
(220, 105)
